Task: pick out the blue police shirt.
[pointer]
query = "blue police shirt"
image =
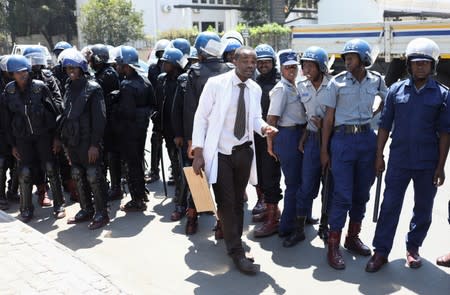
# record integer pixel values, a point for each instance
(416, 117)
(353, 100)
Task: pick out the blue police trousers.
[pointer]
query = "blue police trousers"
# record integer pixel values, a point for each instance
(397, 180)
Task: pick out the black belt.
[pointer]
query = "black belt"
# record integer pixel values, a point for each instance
(352, 129)
(295, 127)
(241, 146)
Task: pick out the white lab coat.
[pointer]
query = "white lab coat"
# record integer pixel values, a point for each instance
(210, 115)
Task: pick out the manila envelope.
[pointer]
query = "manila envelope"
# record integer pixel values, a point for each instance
(200, 192)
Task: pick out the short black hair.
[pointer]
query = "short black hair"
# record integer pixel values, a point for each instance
(238, 51)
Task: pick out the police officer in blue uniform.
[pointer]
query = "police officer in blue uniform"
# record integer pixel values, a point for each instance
(288, 114)
(269, 171)
(136, 103)
(31, 131)
(82, 126)
(58, 70)
(349, 110)
(314, 62)
(418, 107)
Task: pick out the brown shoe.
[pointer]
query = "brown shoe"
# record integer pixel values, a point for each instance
(43, 198)
(444, 260)
(191, 223)
(376, 262)
(270, 225)
(260, 206)
(261, 217)
(413, 259)
(334, 255)
(218, 232)
(178, 213)
(352, 241)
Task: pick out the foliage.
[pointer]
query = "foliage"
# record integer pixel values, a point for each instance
(46, 17)
(113, 22)
(256, 12)
(273, 34)
(188, 34)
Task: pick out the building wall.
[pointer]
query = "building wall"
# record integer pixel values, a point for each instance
(161, 15)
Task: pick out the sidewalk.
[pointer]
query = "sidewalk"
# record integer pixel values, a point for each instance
(31, 263)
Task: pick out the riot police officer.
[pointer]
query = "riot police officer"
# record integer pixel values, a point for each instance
(269, 171)
(228, 53)
(173, 64)
(4, 155)
(418, 107)
(136, 103)
(107, 77)
(82, 128)
(57, 70)
(352, 146)
(31, 118)
(155, 154)
(38, 60)
(210, 64)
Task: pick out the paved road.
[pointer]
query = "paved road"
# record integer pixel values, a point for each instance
(146, 253)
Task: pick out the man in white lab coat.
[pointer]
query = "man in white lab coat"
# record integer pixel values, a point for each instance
(228, 113)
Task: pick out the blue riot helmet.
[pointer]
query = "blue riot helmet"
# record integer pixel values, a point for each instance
(422, 49)
(232, 45)
(202, 41)
(317, 55)
(100, 54)
(182, 44)
(60, 46)
(360, 47)
(265, 51)
(127, 55)
(36, 55)
(74, 58)
(17, 63)
(173, 56)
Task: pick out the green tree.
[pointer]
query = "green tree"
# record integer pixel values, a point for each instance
(257, 12)
(46, 17)
(111, 22)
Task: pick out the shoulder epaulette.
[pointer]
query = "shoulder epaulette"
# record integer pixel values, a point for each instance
(161, 77)
(47, 73)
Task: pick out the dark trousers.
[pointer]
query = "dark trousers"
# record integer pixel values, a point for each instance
(232, 178)
(132, 153)
(397, 181)
(269, 172)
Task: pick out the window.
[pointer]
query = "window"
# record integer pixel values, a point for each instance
(194, 1)
(220, 27)
(195, 25)
(212, 1)
(206, 25)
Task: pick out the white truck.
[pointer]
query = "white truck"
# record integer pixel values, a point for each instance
(388, 38)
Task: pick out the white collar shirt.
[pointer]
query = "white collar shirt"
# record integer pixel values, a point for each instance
(227, 139)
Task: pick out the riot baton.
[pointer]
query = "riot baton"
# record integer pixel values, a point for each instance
(377, 197)
(323, 225)
(163, 173)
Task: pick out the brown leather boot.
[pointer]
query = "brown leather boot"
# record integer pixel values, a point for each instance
(270, 225)
(334, 255)
(191, 223)
(260, 205)
(352, 241)
(43, 199)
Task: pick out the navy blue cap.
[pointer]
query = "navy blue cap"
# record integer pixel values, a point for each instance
(288, 57)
